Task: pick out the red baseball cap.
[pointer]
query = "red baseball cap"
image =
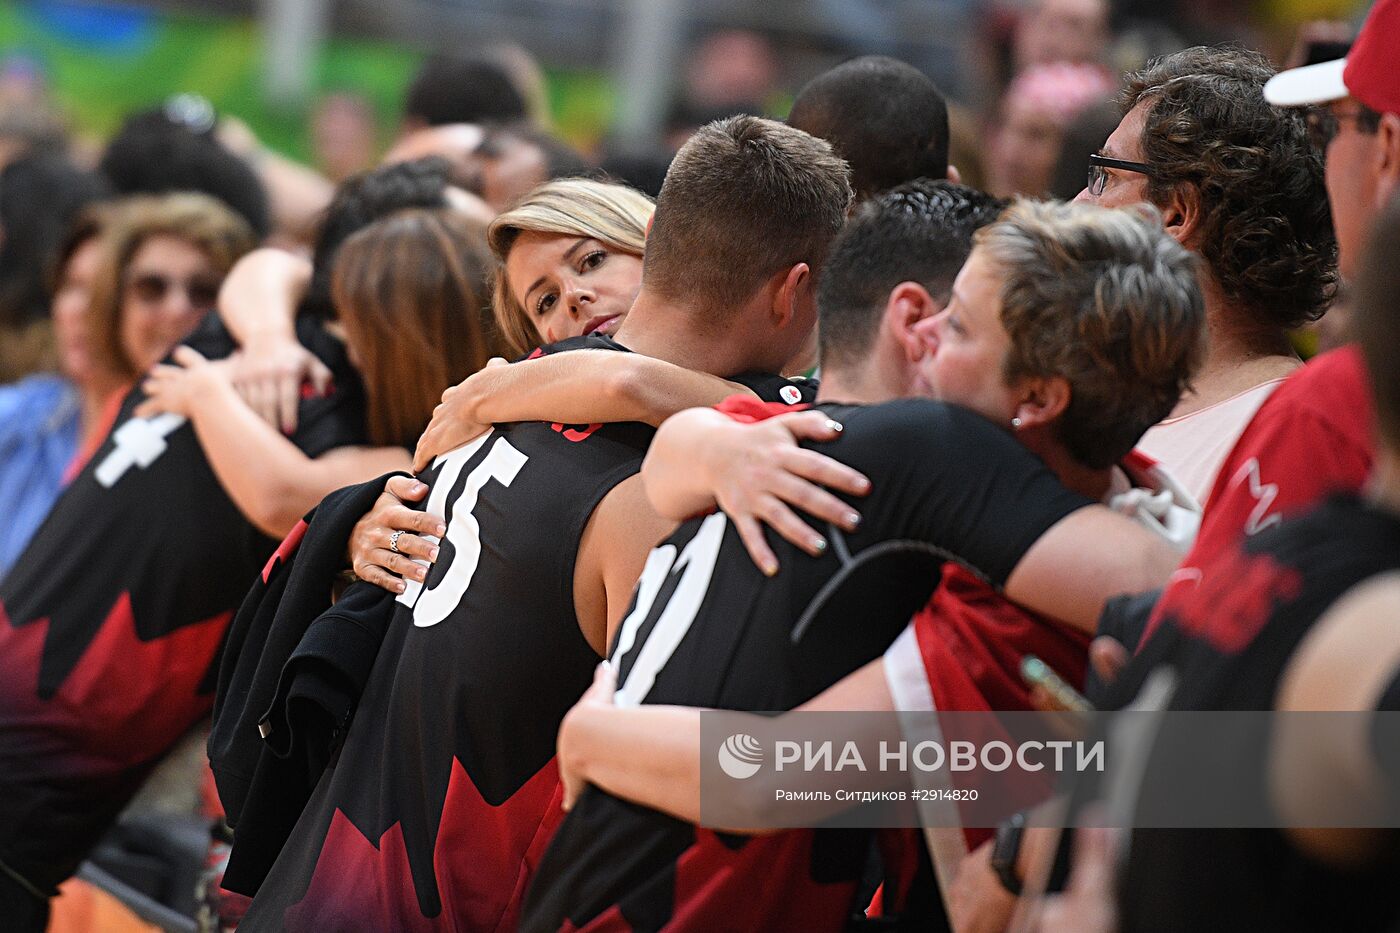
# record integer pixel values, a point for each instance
(1370, 72)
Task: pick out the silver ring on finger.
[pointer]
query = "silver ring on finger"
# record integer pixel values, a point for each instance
(394, 541)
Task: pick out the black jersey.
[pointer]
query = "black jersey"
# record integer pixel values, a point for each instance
(1228, 646)
(445, 791)
(708, 629)
(111, 619)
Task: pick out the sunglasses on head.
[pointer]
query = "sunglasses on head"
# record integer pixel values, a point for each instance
(152, 287)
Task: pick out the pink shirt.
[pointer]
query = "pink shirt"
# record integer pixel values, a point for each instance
(1193, 446)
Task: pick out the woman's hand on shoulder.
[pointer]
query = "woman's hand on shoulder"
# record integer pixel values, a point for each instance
(176, 387)
(760, 475)
(454, 421)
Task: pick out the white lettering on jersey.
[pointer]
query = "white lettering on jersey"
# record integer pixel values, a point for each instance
(697, 560)
(452, 462)
(139, 442)
(502, 463)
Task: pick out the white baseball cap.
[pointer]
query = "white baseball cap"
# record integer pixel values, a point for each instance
(1311, 84)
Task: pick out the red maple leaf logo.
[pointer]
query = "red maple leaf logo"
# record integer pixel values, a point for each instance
(482, 862)
(1237, 599)
(126, 700)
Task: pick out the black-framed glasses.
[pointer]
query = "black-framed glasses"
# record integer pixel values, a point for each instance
(1098, 177)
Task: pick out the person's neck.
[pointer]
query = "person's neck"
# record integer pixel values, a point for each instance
(1087, 481)
(93, 395)
(668, 331)
(1384, 488)
(858, 385)
(1239, 356)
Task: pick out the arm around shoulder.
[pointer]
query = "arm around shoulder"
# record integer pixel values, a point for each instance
(1086, 558)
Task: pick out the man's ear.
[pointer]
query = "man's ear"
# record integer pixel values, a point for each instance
(1388, 152)
(1181, 214)
(954, 175)
(907, 305)
(794, 287)
(1043, 400)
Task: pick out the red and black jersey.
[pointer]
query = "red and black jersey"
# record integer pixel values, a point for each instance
(111, 619)
(1225, 646)
(708, 629)
(445, 792)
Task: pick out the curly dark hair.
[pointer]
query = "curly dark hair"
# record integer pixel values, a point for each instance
(1266, 231)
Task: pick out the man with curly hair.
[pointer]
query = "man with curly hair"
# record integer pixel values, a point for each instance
(1314, 437)
(1238, 182)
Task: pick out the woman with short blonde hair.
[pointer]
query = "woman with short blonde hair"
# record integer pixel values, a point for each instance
(614, 216)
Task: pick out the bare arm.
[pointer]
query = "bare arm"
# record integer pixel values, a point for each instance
(260, 294)
(651, 754)
(580, 387)
(272, 482)
(1088, 557)
(611, 554)
(1343, 664)
(702, 459)
(258, 303)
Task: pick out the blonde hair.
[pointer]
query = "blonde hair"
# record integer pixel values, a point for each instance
(613, 214)
(203, 222)
(1107, 300)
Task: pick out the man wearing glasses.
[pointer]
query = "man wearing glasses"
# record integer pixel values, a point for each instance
(1238, 183)
(1314, 436)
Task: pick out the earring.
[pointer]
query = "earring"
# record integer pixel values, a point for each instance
(1016, 423)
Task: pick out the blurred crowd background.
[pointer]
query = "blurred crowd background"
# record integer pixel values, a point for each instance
(307, 93)
(623, 81)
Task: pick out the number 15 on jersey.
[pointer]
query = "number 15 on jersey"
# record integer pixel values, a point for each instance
(501, 463)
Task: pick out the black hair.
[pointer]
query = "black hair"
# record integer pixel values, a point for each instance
(643, 169)
(561, 160)
(155, 154)
(361, 200)
(917, 232)
(1085, 135)
(41, 195)
(884, 117)
(463, 89)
